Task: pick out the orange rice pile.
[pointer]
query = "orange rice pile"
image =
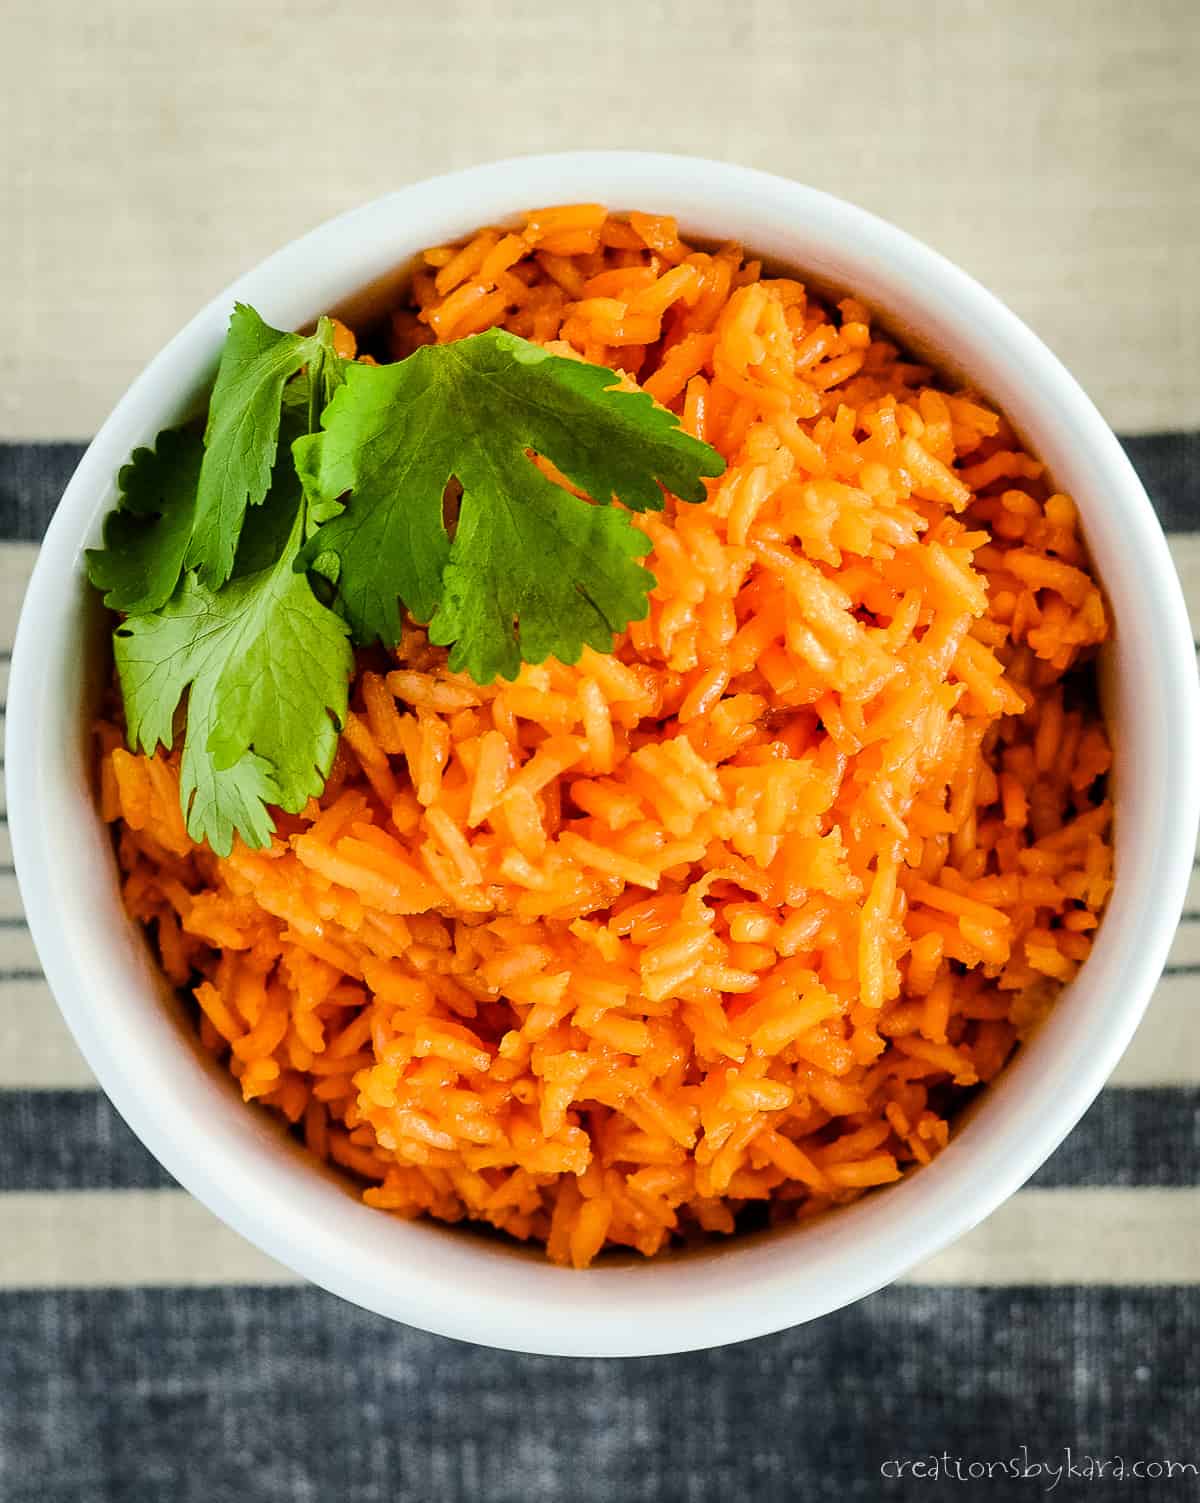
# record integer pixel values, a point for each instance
(740, 913)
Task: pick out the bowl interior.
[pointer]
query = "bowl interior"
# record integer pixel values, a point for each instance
(244, 1166)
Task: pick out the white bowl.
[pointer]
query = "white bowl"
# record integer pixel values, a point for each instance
(447, 1280)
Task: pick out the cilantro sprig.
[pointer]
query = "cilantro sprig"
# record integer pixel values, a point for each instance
(311, 516)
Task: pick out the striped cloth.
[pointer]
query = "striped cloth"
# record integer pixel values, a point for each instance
(147, 155)
(129, 1315)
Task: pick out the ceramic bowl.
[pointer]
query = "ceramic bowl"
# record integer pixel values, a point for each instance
(481, 1289)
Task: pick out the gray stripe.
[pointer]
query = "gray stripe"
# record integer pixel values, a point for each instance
(290, 1396)
(32, 478)
(75, 1140)
(34, 475)
(1131, 1137)
(1169, 466)
(71, 1140)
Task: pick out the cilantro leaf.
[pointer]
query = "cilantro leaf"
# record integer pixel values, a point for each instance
(266, 669)
(533, 570)
(146, 538)
(384, 439)
(243, 431)
(267, 528)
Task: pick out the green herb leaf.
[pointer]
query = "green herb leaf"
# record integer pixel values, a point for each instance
(532, 570)
(243, 431)
(535, 576)
(384, 440)
(146, 538)
(266, 669)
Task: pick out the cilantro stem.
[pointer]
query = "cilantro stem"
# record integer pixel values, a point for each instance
(317, 395)
(315, 380)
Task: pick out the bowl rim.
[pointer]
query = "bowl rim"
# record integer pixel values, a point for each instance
(436, 1284)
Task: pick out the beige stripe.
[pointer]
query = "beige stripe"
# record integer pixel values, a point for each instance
(16, 950)
(1186, 949)
(36, 1050)
(10, 897)
(17, 559)
(38, 1053)
(103, 1238)
(16, 565)
(99, 1238)
(1078, 1237)
(1047, 148)
(1166, 1048)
